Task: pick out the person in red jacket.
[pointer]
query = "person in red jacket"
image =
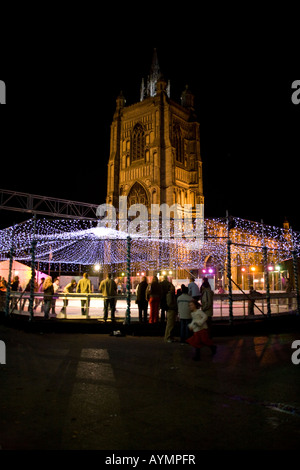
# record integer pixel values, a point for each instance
(198, 325)
(153, 295)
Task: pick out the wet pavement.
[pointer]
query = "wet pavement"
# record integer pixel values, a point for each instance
(77, 391)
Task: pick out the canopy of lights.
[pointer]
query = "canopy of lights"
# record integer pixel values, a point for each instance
(74, 242)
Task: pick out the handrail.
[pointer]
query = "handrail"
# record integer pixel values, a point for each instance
(248, 296)
(17, 298)
(98, 295)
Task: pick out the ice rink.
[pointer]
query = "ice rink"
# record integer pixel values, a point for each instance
(221, 308)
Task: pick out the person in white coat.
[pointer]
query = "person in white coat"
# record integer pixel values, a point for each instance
(199, 327)
(184, 313)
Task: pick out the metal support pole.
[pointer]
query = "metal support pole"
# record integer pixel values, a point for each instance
(229, 280)
(33, 247)
(266, 276)
(229, 269)
(11, 257)
(87, 310)
(128, 286)
(295, 267)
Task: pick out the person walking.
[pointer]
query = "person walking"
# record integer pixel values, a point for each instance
(200, 336)
(3, 284)
(108, 288)
(40, 298)
(153, 295)
(84, 286)
(141, 300)
(184, 313)
(14, 288)
(56, 287)
(3, 288)
(165, 287)
(68, 289)
(253, 295)
(48, 295)
(171, 314)
(193, 289)
(27, 292)
(207, 296)
(15, 284)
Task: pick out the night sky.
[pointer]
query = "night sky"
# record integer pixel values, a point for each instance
(56, 130)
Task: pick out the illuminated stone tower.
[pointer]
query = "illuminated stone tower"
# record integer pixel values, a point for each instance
(155, 147)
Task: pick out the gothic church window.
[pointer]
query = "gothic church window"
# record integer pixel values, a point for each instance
(138, 143)
(178, 143)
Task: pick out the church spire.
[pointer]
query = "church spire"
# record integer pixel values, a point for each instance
(150, 88)
(155, 70)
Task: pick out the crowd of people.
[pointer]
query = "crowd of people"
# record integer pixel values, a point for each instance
(47, 288)
(191, 305)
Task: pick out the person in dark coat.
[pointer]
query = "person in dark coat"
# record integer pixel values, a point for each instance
(141, 300)
(171, 314)
(27, 292)
(153, 295)
(165, 287)
(253, 294)
(15, 284)
(14, 288)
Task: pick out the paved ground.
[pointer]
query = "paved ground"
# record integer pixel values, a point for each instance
(94, 391)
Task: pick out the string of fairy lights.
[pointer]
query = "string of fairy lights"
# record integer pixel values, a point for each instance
(69, 243)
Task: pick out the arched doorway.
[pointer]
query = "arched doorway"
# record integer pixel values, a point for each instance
(137, 195)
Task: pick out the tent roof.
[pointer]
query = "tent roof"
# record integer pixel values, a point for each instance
(84, 242)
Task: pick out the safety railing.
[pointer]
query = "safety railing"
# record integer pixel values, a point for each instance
(74, 305)
(59, 305)
(245, 305)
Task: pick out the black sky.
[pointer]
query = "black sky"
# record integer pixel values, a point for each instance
(56, 128)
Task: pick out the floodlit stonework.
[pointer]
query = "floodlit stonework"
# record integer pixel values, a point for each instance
(155, 148)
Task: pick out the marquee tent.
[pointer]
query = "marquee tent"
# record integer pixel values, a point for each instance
(21, 270)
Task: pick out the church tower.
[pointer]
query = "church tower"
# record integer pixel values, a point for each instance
(155, 147)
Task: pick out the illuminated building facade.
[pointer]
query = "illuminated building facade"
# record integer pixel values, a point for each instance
(155, 159)
(155, 147)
